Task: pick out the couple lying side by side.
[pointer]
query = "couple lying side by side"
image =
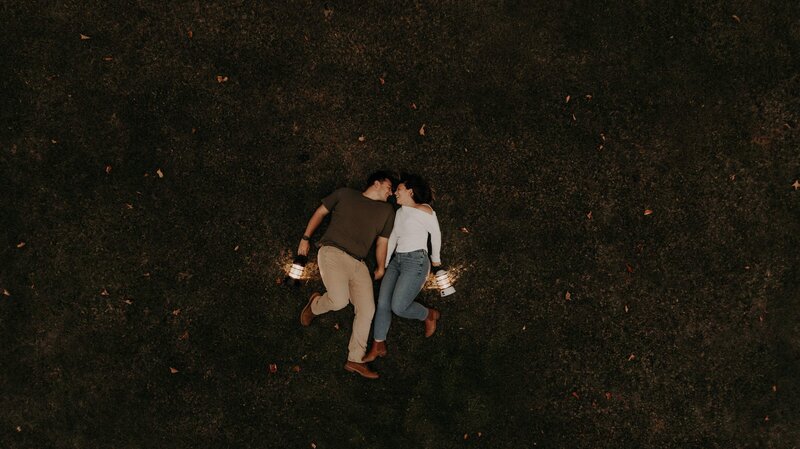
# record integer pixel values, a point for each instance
(357, 219)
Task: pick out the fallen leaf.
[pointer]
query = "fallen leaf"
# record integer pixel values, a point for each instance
(732, 177)
(766, 418)
(414, 106)
(160, 173)
(602, 137)
(189, 34)
(567, 99)
(422, 130)
(127, 301)
(176, 312)
(236, 248)
(736, 18)
(574, 119)
(6, 293)
(184, 335)
(524, 327)
(222, 79)
(626, 308)
(479, 434)
(19, 429)
(382, 81)
(327, 11)
(273, 368)
(774, 388)
(466, 436)
(608, 395)
(628, 268)
(568, 296)
(108, 58)
(600, 147)
(362, 138)
(85, 37)
(104, 292)
(108, 169)
(194, 130)
(313, 445)
(53, 141)
(648, 211)
(631, 357)
(796, 184)
(129, 205)
(173, 370)
(589, 215)
(296, 368)
(464, 230)
(575, 395)
(336, 326)
(21, 245)
(589, 97)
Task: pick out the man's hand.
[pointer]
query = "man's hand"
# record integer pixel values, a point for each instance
(302, 249)
(379, 272)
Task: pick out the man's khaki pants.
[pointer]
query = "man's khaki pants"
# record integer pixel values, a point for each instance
(347, 280)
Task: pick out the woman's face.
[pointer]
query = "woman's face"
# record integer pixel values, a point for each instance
(404, 195)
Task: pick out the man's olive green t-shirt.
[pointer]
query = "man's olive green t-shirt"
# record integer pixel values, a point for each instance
(356, 221)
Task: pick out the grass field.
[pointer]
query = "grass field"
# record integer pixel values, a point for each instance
(614, 183)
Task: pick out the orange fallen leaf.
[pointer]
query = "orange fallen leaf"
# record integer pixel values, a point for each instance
(422, 130)
(648, 211)
(173, 370)
(85, 37)
(189, 34)
(273, 368)
(21, 245)
(628, 268)
(568, 296)
(296, 368)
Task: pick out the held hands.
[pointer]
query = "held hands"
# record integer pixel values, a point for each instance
(379, 272)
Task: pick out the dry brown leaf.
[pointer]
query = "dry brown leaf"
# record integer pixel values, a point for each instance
(189, 34)
(296, 368)
(222, 79)
(313, 445)
(129, 205)
(184, 336)
(626, 308)
(774, 388)
(173, 370)
(104, 292)
(589, 97)
(382, 81)
(236, 248)
(608, 395)
(176, 312)
(414, 106)
(362, 138)
(108, 58)
(628, 268)
(464, 230)
(422, 130)
(575, 395)
(736, 18)
(648, 211)
(574, 119)
(6, 292)
(127, 301)
(273, 368)
(160, 173)
(589, 215)
(466, 436)
(631, 357)
(732, 177)
(568, 296)
(108, 169)
(21, 245)
(85, 37)
(796, 184)
(567, 99)
(336, 326)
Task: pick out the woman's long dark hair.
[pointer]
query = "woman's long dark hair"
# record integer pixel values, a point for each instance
(422, 192)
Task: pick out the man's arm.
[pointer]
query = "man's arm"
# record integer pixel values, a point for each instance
(381, 247)
(312, 226)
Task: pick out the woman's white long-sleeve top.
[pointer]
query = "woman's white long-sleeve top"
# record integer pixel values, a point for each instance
(410, 233)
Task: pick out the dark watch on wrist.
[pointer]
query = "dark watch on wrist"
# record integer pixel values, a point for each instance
(306, 238)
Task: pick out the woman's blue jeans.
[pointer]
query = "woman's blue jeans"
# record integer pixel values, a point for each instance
(401, 284)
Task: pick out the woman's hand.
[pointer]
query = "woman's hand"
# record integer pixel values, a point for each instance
(379, 272)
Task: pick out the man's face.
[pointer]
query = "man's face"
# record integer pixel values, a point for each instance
(385, 189)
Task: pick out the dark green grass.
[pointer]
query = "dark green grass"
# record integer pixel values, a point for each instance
(681, 326)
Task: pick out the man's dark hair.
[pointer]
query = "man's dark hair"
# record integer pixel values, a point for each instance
(423, 194)
(380, 176)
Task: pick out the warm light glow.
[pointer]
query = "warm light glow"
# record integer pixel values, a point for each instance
(297, 271)
(444, 283)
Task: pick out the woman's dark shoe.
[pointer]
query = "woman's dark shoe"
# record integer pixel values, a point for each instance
(430, 322)
(378, 350)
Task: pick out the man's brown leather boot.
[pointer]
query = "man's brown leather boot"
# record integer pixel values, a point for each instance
(360, 368)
